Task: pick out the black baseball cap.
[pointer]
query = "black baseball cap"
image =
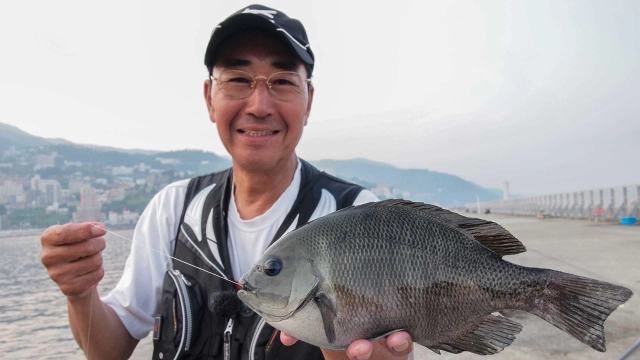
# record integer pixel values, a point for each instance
(259, 17)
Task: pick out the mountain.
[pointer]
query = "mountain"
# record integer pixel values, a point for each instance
(12, 136)
(415, 184)
(92, 156)
(422, 184)
(197, 161)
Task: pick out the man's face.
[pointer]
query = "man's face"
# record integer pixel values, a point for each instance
(260, 132)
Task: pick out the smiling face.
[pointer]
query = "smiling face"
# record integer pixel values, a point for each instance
(260, 132)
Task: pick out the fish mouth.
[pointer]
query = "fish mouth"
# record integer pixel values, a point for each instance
(248, 287)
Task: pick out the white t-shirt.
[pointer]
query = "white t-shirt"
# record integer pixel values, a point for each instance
(136, 296)
(248, 239)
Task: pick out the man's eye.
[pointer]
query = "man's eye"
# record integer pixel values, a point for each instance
(282, 82)
(239, 80)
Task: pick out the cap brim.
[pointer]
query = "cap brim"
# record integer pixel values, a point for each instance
(246, 22)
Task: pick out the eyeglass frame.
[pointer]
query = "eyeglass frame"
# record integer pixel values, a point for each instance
(254, 84)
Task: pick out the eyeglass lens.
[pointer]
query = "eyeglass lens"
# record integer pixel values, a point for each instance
(284, 85)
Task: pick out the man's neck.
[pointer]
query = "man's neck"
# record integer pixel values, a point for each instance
(257, 191)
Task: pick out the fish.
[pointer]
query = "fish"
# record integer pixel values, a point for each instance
(370, 270)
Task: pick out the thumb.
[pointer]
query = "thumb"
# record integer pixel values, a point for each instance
(287, 340)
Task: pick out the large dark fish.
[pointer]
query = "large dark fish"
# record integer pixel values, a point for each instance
(366, 271)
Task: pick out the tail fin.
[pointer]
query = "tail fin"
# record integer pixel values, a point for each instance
(580, 305)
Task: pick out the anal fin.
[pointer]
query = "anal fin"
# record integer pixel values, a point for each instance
(489, 335)
(436, 349)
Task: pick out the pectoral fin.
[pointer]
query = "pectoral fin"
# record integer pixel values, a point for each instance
(328, 315)
(385, 335)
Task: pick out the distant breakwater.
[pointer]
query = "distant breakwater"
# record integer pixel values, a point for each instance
(611, 204)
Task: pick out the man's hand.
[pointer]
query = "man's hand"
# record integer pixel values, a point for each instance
(72, 254)
(395, 346)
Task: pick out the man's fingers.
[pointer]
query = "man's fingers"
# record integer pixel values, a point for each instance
(72, 254)
(81, 286)
(75, 269)
(400, 343)
(71, 233)
(287, 340)
(54, 255)
(397, 346)
(360, 350)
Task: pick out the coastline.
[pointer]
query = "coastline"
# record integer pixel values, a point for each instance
(33, 232)
(19, 233)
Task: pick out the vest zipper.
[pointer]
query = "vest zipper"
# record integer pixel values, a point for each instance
(254, 340)
(187, 318)
(227, 340)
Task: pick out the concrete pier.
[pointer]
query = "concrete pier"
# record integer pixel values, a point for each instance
(604, 204)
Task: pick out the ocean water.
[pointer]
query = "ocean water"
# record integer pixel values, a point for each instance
(33, 311)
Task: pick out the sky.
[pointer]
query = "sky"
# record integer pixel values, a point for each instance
(542, 94)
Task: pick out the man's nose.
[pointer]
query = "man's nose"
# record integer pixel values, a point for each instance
(260, 102)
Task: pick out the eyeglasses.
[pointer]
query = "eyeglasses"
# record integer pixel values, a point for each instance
(283, 85)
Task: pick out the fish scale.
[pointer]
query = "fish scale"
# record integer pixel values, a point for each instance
(369, 270)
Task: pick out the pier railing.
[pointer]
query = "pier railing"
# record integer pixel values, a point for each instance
(606, 204)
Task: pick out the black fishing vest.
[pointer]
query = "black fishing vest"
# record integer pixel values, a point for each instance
(187, 326)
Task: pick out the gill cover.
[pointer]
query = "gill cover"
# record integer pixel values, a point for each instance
(277, 296)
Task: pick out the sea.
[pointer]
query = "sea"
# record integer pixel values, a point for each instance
(33, 311)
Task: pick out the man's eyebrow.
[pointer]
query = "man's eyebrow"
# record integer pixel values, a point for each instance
(234, 62)
(285, 65)
(279, 64)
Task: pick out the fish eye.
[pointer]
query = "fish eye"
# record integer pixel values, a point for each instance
(272, 267)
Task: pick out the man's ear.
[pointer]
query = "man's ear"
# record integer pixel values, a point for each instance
(208, 99)
(306, 115)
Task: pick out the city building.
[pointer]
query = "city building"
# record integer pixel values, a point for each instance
(49, 191)
(75, 185)
(45, 161)
(10, 191)
(117, 192)
(89, 208)
(121, 170)
(126, 218)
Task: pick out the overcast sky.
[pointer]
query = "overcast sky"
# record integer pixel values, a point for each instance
(543, 94)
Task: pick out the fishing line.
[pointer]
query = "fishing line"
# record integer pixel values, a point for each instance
(152, 249)
(89, 332)
(167, 255)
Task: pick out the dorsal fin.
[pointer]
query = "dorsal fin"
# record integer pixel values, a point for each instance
(489, 234)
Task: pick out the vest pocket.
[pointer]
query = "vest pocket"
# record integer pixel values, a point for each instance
(180, 315)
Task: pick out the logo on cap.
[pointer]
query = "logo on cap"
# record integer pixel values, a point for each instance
(267, 13)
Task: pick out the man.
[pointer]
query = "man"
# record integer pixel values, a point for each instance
(259, 96)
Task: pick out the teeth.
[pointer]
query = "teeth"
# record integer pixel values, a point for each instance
(258, 133)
